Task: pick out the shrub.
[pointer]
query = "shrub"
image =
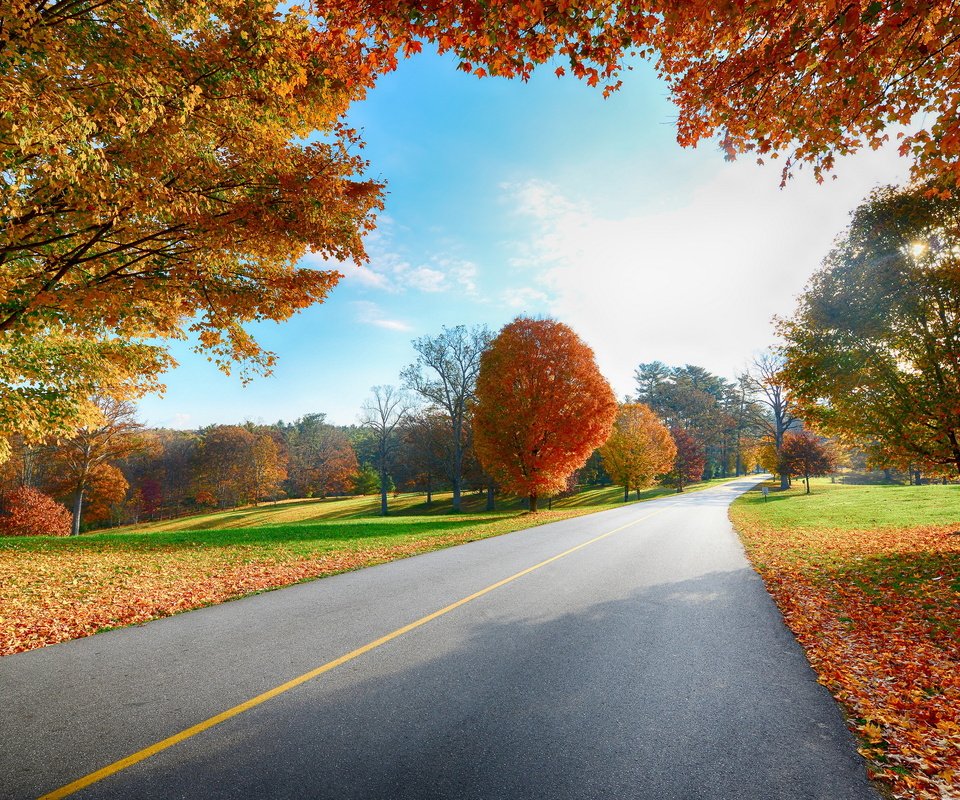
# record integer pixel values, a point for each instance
(27, 512)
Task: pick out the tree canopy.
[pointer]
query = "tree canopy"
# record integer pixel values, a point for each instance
(165, 166)
(156, 183)
(873, 350)
(639, 448)
(542, 407)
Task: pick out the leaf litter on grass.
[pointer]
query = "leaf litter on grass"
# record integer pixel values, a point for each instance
(878, 613)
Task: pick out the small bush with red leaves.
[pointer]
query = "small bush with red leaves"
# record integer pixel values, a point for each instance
(27, 512)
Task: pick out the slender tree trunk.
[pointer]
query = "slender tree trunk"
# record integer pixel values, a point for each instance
(383, 492)
(533, 502)
(490, 499)
(955, 446)
(77, 511)
(626, 492)
(429, 489)
(806, 478)
(457, 463)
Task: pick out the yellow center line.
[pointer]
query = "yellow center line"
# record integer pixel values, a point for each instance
(253, 702)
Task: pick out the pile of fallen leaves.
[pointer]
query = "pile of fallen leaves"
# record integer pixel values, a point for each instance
(878, 613)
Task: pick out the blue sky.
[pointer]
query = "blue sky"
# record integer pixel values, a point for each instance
(540, 198)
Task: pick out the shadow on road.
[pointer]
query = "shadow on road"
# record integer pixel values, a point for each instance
(683, 690)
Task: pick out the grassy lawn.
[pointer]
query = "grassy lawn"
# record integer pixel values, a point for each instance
(54, 588)
(403, 505)
(868, 578)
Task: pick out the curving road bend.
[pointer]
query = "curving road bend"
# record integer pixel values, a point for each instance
(648, 663)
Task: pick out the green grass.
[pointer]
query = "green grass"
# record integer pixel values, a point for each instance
(298, 512)
(855, 507)
(868, 578)
(303, 538)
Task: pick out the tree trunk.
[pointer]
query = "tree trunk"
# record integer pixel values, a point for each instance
(806, 477)
(533, 502)
(383, 492)
(490, 500)
(77, 511)
(457, 476)
(429, 490)
(626, 492)
(784, 480)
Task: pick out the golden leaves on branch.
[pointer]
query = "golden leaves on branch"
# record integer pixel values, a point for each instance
(154, 188)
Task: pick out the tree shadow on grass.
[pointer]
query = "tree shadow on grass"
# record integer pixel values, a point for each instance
(390, 530)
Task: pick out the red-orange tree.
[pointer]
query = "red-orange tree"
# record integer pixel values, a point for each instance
(806, 454)
(542, 407)
(28, 512)
(639, 448)
(689, 461)
(808, 80)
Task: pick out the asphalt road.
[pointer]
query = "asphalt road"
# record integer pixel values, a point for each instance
(649, 663)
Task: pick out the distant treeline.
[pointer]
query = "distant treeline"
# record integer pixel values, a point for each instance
(143, 474)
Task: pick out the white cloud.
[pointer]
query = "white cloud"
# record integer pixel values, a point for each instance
(523, 298)
(371, 314)
(697, 283)
(388, 270)
(425, 279)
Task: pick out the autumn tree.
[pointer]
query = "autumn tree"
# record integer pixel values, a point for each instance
(873, 350)
(382, 414)
(240, 463)
(688, 462)
(164, 475)
(445, 375)
(159, 178)
(106, 491)
(639, 448)
(426, 444)
(27, 464)
(815, 80)
(322, 460)
(222, 460)
(165, 166)
(804, 453)
(84, 456)
(266, 465)
(708, 407)
(28, 512)
(805, 82)
(542, 407)
(766, 380)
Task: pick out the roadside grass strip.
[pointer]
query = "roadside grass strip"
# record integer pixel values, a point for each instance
(200, 727)
(868, 579)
